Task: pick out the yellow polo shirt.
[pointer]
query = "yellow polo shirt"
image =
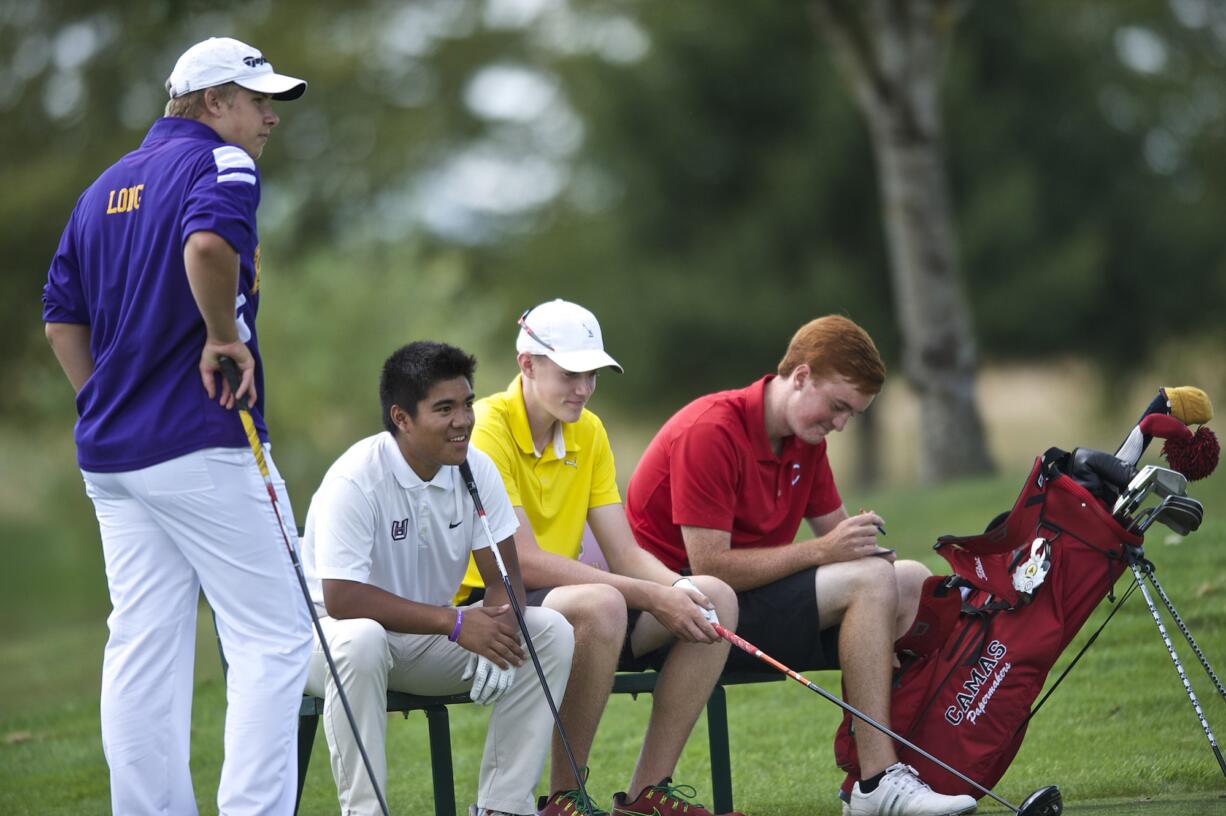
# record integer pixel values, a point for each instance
(555, 487)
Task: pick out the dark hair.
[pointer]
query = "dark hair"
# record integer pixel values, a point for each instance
(412, 370)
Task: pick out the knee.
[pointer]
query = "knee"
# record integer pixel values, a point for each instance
(722, 595)
(360, 644)
(551, 632)
(599, 616)
(873, 579)
(909, 576)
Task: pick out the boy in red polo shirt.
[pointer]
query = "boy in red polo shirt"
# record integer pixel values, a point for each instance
(721, 491)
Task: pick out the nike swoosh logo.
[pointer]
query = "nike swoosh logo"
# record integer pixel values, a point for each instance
(454, 525)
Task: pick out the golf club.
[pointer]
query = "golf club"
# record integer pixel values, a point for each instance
(1148, 569)
(1045, 801)
(1135, 561)
(230, 371)
(471, 483)
(1182, 514)
(1151, 478)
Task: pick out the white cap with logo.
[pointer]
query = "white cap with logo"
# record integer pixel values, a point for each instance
(566, 333)
(219, 60)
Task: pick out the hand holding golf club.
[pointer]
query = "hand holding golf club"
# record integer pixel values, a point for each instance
(686, 612)
(240, 386)
(491, 632)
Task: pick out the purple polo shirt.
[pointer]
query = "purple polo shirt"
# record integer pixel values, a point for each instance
(119, 270)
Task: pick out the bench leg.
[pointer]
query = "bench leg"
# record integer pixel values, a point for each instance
(308, 724)
(717, 738)
(440, 760)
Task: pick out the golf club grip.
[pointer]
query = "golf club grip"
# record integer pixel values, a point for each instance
(744, 645)
(466, 473)
(735, 639)
(229, 370)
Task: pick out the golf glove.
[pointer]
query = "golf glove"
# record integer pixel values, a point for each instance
(709, 614)
(490, 683)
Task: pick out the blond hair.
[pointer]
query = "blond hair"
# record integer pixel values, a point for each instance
(191, 105)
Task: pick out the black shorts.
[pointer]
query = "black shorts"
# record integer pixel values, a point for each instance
(781, 619)
(626, 661)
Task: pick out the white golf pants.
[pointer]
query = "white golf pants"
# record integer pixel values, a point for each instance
(370, 660)
(203, 520)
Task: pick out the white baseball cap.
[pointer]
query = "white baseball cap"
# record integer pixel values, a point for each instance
(566, 333)
(219, 60)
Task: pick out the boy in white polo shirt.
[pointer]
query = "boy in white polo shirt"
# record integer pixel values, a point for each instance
(556, 463)
(388, 536)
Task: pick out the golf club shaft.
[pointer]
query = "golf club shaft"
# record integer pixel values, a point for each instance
(1183, 677)
(1170, 608)
(746, 646)
(471, 482)
(230, 372)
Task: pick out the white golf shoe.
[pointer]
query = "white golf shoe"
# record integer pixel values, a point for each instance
(902, 793)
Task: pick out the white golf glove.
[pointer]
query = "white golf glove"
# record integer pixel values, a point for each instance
(490, 683)
(709, 614)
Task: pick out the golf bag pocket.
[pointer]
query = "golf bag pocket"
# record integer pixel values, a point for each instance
(968, 700)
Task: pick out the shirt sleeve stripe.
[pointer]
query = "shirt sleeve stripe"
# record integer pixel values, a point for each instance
(230, 157)
(249, 178)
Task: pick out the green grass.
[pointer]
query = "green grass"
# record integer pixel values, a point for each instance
(1119, 737)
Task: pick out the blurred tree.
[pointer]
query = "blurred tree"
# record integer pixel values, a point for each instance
(892, 53)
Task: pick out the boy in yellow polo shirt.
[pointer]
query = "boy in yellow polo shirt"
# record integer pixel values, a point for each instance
(556, 463)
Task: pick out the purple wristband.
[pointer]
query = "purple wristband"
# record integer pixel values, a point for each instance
(459, 621)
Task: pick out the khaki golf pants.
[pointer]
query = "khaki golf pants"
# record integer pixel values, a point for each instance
(371, 660)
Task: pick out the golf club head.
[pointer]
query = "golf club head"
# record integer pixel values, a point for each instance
(1150, 479)
(1043, 802)
(1183, 514)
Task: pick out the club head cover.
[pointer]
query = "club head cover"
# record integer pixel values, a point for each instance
(1189, 404)
(1101, 473)
(1196, 456)
(1165, 426)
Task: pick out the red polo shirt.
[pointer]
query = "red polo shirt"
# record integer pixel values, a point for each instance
(712, 466)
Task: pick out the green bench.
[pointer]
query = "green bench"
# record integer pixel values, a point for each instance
(439, 727)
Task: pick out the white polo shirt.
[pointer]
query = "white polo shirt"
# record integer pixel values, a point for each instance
(374, 521)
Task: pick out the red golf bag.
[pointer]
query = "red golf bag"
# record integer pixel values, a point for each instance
(986, 637)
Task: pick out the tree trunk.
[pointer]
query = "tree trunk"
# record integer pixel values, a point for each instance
(890, 51)
(868, 452)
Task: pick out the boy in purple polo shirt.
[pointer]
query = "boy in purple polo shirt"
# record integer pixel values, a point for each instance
(156, 276)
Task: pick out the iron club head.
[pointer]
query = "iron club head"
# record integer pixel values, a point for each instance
(1183, 514)
(1151, 478)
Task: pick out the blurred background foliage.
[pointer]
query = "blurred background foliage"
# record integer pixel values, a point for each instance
(694, 172)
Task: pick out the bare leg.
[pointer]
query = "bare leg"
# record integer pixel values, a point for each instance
(862, 595)
(598, 614)
(909, 575)
(685, 682)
